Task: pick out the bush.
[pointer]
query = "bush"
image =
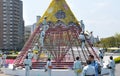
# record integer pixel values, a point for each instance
(11, 56)
(117, 60)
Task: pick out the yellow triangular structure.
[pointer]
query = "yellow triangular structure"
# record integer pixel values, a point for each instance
(59, 10)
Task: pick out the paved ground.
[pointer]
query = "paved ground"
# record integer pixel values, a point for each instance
(117, 72)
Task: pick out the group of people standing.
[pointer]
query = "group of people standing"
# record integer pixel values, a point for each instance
(92, 67)
(28, 64)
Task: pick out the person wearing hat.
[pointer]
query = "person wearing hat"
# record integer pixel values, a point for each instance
(30, 56)
(27, 62)
(4, 56)
(42, 35)
(111, 66)
(91, 38)
(82, 39)
(82, 25)
(45, 25)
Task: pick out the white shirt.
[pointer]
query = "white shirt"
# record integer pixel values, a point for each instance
(112, 64)
(30, 55)
(0, 60)
(88, 70)
(4, 56)
(82, 37)
(27, 62)
(42, 34)
(48, 64)
(77, 65)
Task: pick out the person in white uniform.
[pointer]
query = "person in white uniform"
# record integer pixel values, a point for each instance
(0, 61)
(101, 55)
(111, 67)
(27, 62)
(91, 38)
(88, 70)
(77, 66)
(49, 66)
(82, 25)
(42, 35)
(30, 56)
(45, 25)
(82, 38)
(4, 56)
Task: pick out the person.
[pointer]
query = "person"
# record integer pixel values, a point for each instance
(27, 62)
(30, 56)
(77, 66)
(88, 70)
(101, 55)
(45, 25)
(91, 38)
(95, 64)
(35, 56)
(4, 56)
(82, 25)
(0, 61)
(111, 66)
(82, 38)
(36, 47)
(42, 35)
(49, 66)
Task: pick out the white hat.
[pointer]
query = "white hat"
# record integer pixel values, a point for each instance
(36, 44)
(29, 50)
(41, 28)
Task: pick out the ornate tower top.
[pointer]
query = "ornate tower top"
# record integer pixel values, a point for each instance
(59, 10)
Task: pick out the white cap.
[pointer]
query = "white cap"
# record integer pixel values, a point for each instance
(36, 43)
(29, 50)
(40, 28)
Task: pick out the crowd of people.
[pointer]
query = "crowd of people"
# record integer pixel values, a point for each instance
(90, 68)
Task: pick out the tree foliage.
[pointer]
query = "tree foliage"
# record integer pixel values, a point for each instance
(113, 41)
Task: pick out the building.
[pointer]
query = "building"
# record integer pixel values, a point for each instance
(34, 25)
(11, 25)
(27, 32)
(29, 29)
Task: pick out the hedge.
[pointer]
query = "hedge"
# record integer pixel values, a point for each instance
(117, 60)
(11, 56)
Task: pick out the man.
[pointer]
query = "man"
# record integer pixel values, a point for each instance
(49, 66)
(0, 61)
(45, 25)
(82, 25)
(27, 62)
(101, 55)
(82, 38)
(30, 56)
(88, 70)
(95, 64)
(111, 67)
(77, 66)
(91, 38)
(42, 35)
(4, 56)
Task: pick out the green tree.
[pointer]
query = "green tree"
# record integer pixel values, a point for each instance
(113, 41)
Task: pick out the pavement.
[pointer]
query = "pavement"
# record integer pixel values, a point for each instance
(117, 72)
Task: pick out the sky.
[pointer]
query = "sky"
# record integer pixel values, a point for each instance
(100, 16)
